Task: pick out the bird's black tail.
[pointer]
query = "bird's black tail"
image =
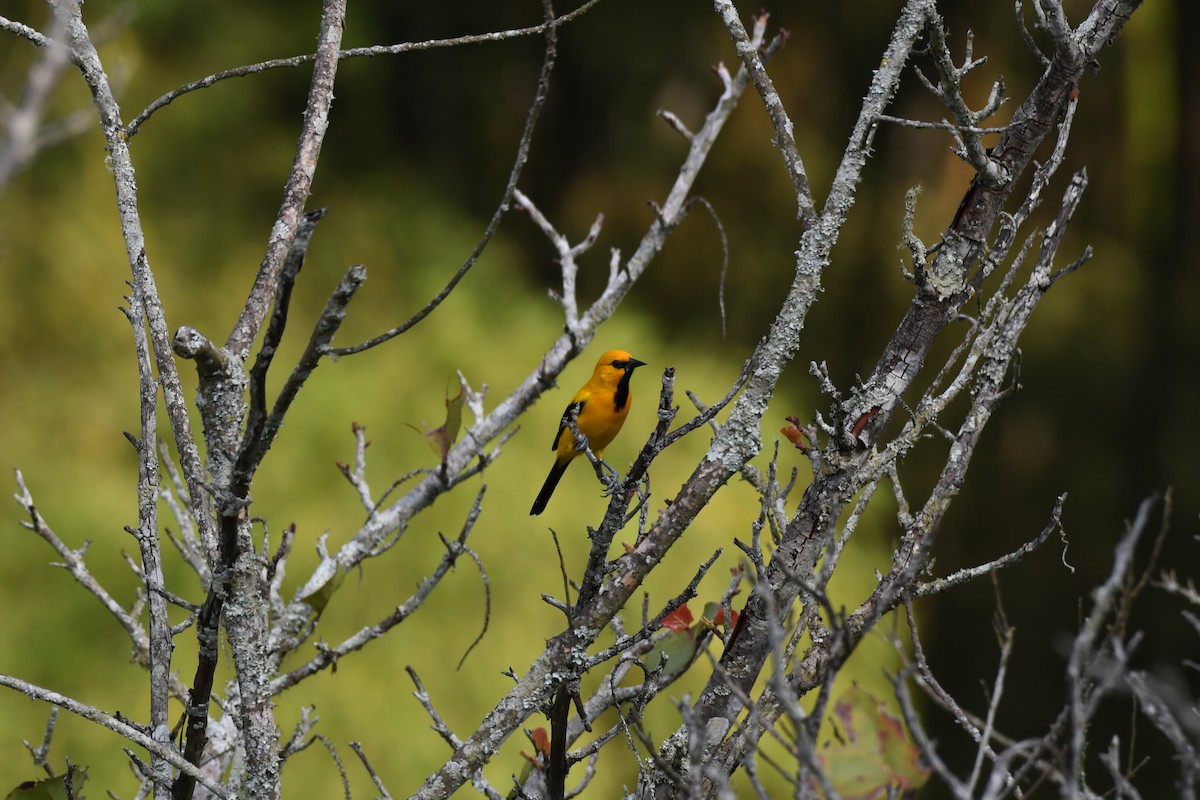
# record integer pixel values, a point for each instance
(543, 497)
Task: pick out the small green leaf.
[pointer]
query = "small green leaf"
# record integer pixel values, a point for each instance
(440, 439)
(50, 788)
(319, 597)
(676, 646)
(454, 409)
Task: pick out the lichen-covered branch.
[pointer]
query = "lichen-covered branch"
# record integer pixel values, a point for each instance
(85, 57)
(149, 543)
(295, 192)
(954, 276)
(739, 438)
(118, 726)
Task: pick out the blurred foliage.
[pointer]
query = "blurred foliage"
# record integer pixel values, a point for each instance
(872, 751)
(415, 160)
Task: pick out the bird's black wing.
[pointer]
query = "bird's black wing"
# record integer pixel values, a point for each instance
(575, 408)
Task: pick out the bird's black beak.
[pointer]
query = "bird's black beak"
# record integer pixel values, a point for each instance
(633, 364)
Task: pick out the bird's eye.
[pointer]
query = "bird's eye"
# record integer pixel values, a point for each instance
(619, 364)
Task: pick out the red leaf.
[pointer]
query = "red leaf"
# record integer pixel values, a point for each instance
(679, 620)
(541, 751)
(541, 740)
(863, 420)
(674, 647)
(796, 436)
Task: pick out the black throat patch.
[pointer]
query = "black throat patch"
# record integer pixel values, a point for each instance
(621, 398)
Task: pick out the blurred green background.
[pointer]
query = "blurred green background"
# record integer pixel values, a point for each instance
(417, 154)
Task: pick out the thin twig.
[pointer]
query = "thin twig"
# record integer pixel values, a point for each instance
(73, 562)
(748, 48)
(307, 58)
(40, 754)
(992, 567)
(383, 793)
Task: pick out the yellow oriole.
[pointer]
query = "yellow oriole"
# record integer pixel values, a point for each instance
(600, 406)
